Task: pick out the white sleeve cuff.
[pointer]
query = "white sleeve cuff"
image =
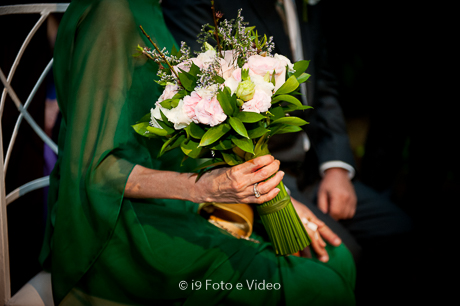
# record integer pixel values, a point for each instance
(337, 164)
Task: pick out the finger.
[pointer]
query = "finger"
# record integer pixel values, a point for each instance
(329, 235)
(262, 199)
(254, 164)
(318, 247)
(353, 207)
(323, 201)
(265, 187)
(264, 173)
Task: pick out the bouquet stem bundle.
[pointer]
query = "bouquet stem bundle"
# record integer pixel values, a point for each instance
(284, 227)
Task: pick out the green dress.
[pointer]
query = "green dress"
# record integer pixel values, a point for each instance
(105, 249)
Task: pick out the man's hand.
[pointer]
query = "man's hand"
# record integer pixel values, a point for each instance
(318, 237)
(336, 194)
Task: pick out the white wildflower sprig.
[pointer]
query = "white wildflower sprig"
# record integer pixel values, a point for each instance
(235, 35)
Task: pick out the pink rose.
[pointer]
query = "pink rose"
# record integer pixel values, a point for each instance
(208, 111)
(228, 64)
(260, 65)
(185, 65)
(190, 103)
(260, 103)
(168, 92)
(226, 68)
(236, 74)
(233, 81)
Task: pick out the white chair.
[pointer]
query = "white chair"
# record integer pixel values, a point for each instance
(36, 291)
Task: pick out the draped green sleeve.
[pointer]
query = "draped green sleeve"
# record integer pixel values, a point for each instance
(102, 90)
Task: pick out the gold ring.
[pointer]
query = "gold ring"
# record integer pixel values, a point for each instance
(256, 192)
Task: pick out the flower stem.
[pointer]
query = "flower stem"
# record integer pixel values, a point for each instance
(161, 53)
(216, 34)
(284, 227)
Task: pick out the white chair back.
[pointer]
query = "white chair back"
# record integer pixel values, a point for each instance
(38, 290)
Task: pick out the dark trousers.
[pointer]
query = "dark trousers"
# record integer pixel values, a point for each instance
(382, 240)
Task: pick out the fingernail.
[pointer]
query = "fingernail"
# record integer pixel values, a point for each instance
(337, 241)
(324, 258)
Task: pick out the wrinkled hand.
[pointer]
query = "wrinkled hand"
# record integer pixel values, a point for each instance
(336, 194)
(318, 237)
(236, 184)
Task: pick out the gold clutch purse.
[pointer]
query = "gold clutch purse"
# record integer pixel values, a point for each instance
(237, 219)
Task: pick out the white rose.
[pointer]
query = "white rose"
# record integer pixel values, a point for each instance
(207, 92)
(207, 57)
(286, 60)
(153, 120)
(262, 85)
(178, 116)
(232, 84)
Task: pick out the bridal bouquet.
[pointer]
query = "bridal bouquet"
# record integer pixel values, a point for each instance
(223, 106)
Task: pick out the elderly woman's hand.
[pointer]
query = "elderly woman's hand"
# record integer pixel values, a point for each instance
(236, 184)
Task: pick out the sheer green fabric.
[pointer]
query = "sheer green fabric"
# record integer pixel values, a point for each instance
(104, 249)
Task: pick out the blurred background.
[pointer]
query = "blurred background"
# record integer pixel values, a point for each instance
(402, 147)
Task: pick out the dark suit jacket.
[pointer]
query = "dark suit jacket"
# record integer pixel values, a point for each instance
(327, 130)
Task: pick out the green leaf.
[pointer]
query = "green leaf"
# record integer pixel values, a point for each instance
(172, 143)
(289, 121)
(277, 113)
(288, 99)
(291, 107)
(195, 130)
(222, 145)
(249, 117)
(303, 77)
(187, 80)
(141, 129)
(175, 52)
(249, 29)
(283, 129)
(166, 103)
(145, 118)
(290, 85)
(214, 133)
(238, 126)
(194, 70)
(210, 163)
(244, 74)
(167, 129)
(174, 102)
(190, 148)
(180, 94)
(157, 131)
(261, 147)
(164, 120)
(225, 103)
(219, 79)
(300, 67)
(232, 159)
(273, 80)
(257, 132)
(244, 144)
